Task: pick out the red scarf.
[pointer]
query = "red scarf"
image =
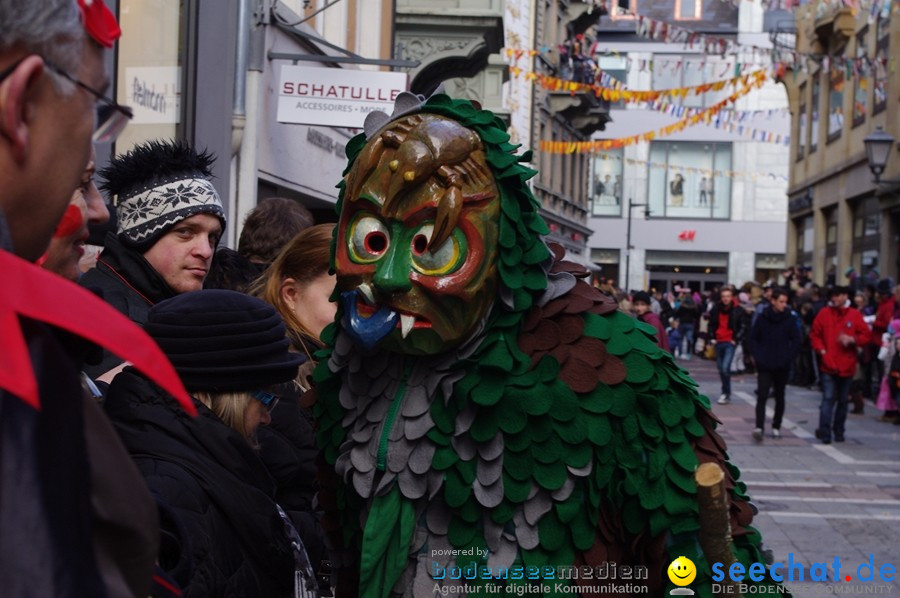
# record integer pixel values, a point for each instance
(43, 296)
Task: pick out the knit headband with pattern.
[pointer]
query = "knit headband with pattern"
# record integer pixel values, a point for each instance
(144, 217)
(158, 184)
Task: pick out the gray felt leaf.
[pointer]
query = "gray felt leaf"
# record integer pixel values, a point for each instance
(464, 447)
(362, 482)
(421, 457)
(488, 496)
(464, 420)
(412, 486)
(526, 534)
(361, 459)
(581, 472)
(397, 454)
(489, 472)
(416, 402)
(565, 491)
(491, 449)
(437, 518)
(537, 507)
(418, 427)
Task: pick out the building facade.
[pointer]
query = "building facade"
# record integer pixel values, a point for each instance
(844, 86)
(705, 205)
(564, 31)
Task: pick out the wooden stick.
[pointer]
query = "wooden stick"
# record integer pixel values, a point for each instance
(715, 523)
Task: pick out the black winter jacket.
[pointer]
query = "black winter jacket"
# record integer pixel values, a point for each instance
(127, 282)
(774, 339)
(736, 319)
(214, 483)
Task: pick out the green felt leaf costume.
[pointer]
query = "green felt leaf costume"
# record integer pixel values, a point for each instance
(557, 435)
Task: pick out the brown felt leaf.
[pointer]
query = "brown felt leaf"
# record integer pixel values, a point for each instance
(571, 328)
(558, 251)
(546, 335)
(554, 307)
(562, 353)
(613, 371)
(579, 375)
(591, 350)
(578, 305)
(531, 320)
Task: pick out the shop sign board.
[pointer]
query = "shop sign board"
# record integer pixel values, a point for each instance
(335, 97)
(154, 93)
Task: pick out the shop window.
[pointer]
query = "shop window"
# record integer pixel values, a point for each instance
(606, 186)
(149, 65)
(835, 103)
(688, 10)
(861, 84)
(689, 180)
(801, 124)
(672, 71)
(814, 114)
(882, 53)
(866, 236)
(622, 9)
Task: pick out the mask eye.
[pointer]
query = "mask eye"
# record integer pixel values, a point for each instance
(441, 260)
(369, 239)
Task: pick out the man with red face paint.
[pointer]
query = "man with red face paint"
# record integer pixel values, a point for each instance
(67, 246)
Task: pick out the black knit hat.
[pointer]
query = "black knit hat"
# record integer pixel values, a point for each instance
(641, 297)
(223, 341)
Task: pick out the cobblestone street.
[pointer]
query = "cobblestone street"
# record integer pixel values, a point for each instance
(816, 502)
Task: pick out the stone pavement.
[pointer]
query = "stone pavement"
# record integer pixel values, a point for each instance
(816, 502)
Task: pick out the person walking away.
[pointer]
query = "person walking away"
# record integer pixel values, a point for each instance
(641, 301)
(688, 315)
(836, 333)
(726, 330)
(774, 342)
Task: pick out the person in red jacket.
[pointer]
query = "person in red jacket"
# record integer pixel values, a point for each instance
(836, 333)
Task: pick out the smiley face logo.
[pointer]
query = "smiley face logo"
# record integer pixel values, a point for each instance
(682, 571)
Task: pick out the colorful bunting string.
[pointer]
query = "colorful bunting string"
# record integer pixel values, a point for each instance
(632, 96)
(703, 116)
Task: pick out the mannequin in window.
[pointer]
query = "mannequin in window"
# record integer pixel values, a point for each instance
(676, 187)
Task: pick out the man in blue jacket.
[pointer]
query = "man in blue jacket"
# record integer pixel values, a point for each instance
(774, 342)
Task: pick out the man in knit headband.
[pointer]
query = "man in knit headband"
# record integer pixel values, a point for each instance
(170, 220)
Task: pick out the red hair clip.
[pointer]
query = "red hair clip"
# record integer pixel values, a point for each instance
(99, 22)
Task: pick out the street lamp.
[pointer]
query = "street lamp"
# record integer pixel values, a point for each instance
(879, 144)
(628, 245)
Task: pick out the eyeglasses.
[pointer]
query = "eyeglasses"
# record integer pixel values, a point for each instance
(112, 117)
(268, 399)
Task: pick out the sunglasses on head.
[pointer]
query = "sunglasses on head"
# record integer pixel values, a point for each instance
(268, 399)
(112, 117)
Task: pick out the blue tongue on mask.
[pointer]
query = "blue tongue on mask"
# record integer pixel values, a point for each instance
(367, 332)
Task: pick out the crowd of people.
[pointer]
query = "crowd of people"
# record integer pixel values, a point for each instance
(844, 340)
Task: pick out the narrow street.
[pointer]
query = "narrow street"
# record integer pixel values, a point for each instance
(817, 502)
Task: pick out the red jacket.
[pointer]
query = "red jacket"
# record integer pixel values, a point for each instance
(883, 317)
(838, 360)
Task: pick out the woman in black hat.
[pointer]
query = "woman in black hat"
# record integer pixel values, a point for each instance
(230, 537)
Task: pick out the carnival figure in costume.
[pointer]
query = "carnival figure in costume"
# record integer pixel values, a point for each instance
(482, 411)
